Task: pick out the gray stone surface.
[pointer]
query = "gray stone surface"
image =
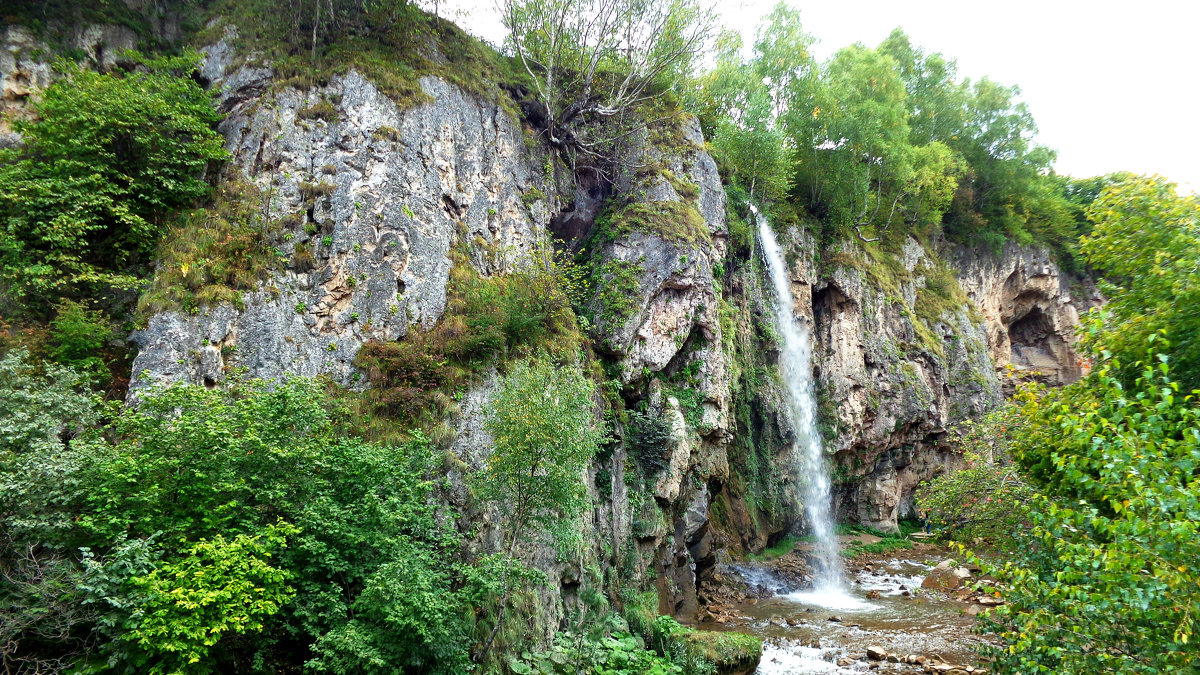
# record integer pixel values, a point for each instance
(403, 186)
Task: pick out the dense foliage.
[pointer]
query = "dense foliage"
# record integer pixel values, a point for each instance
(882, 141)
(1105, 577)
(1111, 581)
(217, 525)
(1146, 242)
(107, 160)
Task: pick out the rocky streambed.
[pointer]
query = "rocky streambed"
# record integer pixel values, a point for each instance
(906, 612)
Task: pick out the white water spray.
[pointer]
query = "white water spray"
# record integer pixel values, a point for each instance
(813, 474)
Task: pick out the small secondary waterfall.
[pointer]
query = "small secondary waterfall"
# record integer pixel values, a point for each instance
(796, 367)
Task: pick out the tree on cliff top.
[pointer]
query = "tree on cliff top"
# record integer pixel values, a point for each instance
(594, 59)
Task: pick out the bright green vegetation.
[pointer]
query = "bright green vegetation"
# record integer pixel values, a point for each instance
(109, 158)
(292, 526)
(678, 222)
(877, 141)
(544, 428)
(266, 534)
(258, 527)
(1146, 242)
(1103, 573)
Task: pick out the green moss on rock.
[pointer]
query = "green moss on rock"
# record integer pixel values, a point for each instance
(727, 652)
(678, 222)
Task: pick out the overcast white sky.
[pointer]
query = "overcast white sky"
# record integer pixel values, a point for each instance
(1113, 85)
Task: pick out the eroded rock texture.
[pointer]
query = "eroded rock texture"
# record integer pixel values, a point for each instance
(1031, 309)
(375, 197)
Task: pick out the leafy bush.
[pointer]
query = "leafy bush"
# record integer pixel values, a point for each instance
(1110, 581)
(1146, 241)
(612, 652)
(650, 439)
(79, 335)
(107, 158)
(487, 319)
(185, 607)
(178, 505)
(545, 432)
(988, 499)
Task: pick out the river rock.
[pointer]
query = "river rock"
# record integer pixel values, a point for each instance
(946, 576)
(876, 653)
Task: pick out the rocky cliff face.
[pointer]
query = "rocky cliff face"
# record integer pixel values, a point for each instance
(367, 200)
(373, 197)
(1031, 309)
(902, 356)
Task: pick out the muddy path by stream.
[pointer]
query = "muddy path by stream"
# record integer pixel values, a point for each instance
(884, 623)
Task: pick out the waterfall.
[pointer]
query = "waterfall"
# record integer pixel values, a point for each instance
(795, 364)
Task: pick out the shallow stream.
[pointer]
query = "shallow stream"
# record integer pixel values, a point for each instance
(810, 632)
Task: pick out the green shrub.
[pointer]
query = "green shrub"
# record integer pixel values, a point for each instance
(181, 499)
(650, 438)
(219, 587)
(1106, 579)
(486, 320)
(988, 499)
(79, 335)
(108, 158)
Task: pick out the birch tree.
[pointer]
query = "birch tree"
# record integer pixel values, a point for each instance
(592, 60)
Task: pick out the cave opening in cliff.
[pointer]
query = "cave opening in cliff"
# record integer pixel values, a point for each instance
(1034, 343)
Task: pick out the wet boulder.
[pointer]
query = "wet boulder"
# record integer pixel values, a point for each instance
(946, 576)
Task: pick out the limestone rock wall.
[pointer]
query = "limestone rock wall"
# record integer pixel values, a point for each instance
(891, 385)
(377, 195)
(1030, 308)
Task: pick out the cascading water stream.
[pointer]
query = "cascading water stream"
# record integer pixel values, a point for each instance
(812, 471)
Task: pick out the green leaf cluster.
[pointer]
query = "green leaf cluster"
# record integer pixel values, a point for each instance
(988, 500)
(545, 430)
(212, 530)
(1110, 581)
(1146, 242)
(108, 158)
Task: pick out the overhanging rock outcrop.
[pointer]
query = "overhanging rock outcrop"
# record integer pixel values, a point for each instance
(1031, 309)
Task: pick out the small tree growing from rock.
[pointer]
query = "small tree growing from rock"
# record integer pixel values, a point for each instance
(545, 432)
(591, 60)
